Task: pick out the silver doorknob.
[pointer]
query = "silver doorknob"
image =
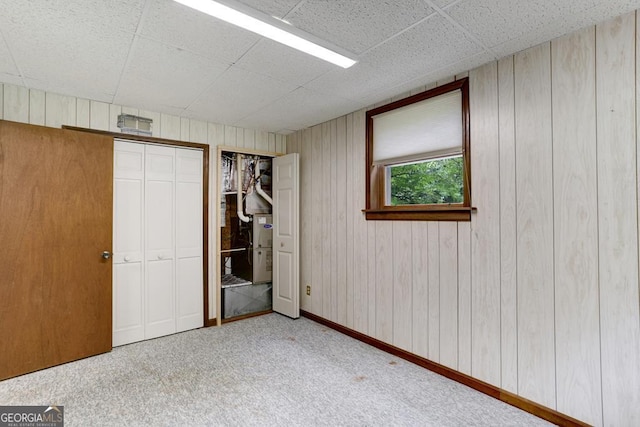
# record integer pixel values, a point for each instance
(106, 254)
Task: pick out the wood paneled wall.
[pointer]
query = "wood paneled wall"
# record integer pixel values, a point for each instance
(20, 104)
(539, 293)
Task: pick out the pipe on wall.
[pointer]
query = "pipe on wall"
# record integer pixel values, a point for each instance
(241, 214)
(258, 185)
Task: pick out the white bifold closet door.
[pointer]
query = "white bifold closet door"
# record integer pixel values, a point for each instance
(157, 260)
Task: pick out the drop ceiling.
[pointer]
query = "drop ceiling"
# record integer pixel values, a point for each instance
(159, 55)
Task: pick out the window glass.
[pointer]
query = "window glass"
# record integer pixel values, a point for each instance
(436, 181)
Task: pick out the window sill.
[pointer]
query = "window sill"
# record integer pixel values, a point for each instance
(453, 213)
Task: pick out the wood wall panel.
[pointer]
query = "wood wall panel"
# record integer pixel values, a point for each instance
(348, 220)
(464, 297)
(433, 274)
(361, 249)
(304, 147)
(250, 139)
(328, 304)
(37, 107)
(576, 226)
(332, 226)
(384, 281)
(485, 228)
(618, 220)
(340, 224)
(16, 103)
(185, 129)
(198, 131)
(83, 114)
(534, 187)
(508, 247)
(317, 245)
(448, 247)
(420, 288)
(169, 126)
(402, 286)
(60, 110)
(372, 280)
(99, 115)
(116, 110)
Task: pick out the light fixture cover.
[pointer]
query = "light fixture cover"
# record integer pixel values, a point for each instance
(273, 29)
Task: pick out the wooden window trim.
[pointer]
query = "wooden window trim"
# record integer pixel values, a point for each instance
(375, 179)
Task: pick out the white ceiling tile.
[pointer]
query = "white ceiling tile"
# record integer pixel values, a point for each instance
(423, 49)
(63, 18)
(283, 63)
(451, 70)
(276, 8)
(236, 94)
(180, 26)
(356, 82)
(579, 18)
(356, 25)
(71, 47)
(68, 65)
(443, 4)
(298, 109)
(8, 68)
(524, 23)
(164, 76)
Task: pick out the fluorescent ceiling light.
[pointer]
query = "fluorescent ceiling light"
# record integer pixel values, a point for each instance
(265, 29)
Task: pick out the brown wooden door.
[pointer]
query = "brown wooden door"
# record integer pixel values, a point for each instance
(55, 221)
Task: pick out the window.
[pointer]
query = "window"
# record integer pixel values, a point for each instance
(418, 157)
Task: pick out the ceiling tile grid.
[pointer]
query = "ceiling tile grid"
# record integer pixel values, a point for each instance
(357, 25)
(161, 56)
(297, 110)
(8, 71)
(423, 49)
(81, 46)
(160, 76)
(239, 93)
(270, 59)
(176, 25)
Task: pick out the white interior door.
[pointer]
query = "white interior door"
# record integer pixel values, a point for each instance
(189, 277)
(128, 271)
(160, 241)
(286, 280)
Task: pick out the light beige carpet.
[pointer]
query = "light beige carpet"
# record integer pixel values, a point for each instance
(263, 371)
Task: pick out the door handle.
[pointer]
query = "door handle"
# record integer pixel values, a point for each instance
(106, 254)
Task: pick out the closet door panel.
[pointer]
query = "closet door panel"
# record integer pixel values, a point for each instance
(190, 296)
(160, 299)
(128, 272)
(189, 241)
(160, 241)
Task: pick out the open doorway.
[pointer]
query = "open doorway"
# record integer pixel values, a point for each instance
(246, 233)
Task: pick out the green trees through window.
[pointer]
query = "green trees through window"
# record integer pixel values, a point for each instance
(437, 181)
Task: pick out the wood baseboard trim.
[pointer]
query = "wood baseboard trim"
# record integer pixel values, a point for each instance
(536, 409)
(210, 322)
